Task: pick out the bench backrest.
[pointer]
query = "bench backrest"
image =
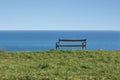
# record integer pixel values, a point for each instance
(72, 40)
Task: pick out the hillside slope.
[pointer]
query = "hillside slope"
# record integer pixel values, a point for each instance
(60, 65)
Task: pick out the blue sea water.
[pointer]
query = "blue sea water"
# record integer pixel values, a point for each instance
(45, 40)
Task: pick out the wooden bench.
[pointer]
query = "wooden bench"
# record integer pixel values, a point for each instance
(81, 44)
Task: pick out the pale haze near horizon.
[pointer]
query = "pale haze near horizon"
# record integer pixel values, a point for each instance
(59, 14)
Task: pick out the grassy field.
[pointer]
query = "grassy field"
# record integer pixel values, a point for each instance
(60, 65)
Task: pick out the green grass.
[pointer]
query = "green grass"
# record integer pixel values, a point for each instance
(60, 65)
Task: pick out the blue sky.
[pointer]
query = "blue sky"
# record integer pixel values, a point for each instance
(59, 14)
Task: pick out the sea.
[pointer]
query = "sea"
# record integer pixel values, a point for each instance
(46, 40)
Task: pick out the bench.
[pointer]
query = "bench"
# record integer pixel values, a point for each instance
(82, 43)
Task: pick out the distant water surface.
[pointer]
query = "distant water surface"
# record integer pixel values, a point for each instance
(45, 40)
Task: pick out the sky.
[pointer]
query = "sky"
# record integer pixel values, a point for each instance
(59, 14)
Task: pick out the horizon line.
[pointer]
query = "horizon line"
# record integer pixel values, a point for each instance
(54, 30)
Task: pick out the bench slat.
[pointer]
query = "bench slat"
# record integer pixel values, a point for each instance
(67, 40)
(71, 45)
